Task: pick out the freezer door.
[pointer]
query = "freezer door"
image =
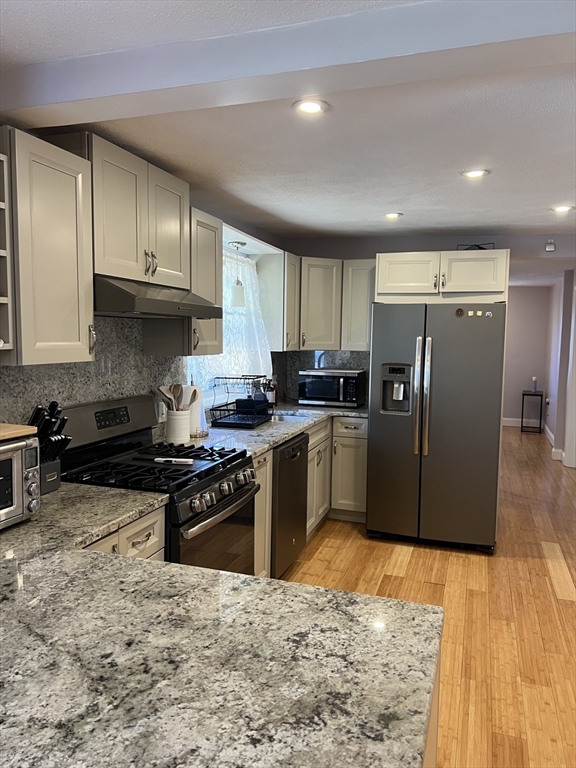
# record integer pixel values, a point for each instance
(393, 436)
(462, 422)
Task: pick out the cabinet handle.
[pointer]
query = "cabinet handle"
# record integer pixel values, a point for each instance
(443, 279)
(115, 550)
(318, 458)
(287, 339)
(145, 540)
(335, 446)
(92, 342)
(262, 461)
(196, 339)
(349, 426)
(303, 339)
(435, 281)
(155, 261)
(148, 263)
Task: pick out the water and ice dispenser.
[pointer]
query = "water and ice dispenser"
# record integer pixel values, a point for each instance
(396, 388)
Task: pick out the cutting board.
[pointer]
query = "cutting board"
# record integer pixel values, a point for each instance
(12, 431)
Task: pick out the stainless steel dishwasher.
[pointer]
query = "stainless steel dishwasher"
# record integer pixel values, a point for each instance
(289, 499)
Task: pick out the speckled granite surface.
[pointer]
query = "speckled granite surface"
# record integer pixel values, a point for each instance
(113, 661)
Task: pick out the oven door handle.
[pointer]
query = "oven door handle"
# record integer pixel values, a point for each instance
(191, 533)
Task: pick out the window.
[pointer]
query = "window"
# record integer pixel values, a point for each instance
(245, 343)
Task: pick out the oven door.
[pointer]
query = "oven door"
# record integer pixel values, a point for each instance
(323, 390)
(224, 541)
(10, 485)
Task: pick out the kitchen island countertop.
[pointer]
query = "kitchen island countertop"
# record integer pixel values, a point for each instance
(114, 661)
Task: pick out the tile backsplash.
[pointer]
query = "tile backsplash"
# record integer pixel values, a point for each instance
(119, 370)
(287, 364)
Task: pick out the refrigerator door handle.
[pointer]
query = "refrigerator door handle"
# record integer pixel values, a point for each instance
(416, 395)
(426, 396)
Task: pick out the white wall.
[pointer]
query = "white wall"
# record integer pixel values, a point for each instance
(526, 346)
(553, 353)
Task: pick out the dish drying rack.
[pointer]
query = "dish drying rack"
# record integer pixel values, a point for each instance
(242, 410)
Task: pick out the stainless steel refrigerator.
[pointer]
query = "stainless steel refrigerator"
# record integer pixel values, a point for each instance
(435, 421)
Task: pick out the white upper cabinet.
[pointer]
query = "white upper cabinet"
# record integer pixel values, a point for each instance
(357, 297)
(291, 302)
(474, 271)
(120, 186)
(206, 279)
(141, 217)
(52, 220)
(321, 303)
(168, 228)
(440, 277)
(279, 287)
(407, 273)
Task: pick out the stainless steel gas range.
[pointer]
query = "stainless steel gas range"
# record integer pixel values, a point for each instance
(210, 515)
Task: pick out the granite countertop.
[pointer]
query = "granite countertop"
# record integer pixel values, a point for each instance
(128, 662)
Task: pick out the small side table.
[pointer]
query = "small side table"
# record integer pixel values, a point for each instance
(528, 393)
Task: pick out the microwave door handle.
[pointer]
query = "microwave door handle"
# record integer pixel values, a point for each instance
(341, 397)
(416, 395)
(191, 533)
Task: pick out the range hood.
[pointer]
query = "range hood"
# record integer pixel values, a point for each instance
(116, 297)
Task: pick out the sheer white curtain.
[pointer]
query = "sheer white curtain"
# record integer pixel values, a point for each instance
(245, 342)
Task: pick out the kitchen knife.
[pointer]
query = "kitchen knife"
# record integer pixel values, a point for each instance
(62, 423)
(35, 416)
(52, 408)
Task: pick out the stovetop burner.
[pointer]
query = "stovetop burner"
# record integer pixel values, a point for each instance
(137, 471)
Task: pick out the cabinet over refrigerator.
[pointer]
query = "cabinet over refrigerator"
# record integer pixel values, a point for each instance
(435, 421)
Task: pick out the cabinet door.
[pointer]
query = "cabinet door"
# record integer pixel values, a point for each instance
(407, 273)
(323, 479)
(321, 303)
(53, 224)
(168, 228)
(291, 302)
(108, 545)
(263, 515)
(311, 493)
(120, 188)
(474, 271)
(207, 279)
(357, 297)
(349, 464)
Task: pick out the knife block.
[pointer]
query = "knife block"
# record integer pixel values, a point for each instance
(49, 477)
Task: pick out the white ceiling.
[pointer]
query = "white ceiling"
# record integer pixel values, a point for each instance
(395, 148)
(34, 31)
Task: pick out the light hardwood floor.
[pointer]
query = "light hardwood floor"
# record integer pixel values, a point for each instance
(508, 670)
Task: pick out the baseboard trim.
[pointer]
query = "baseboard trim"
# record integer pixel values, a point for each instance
(549, 434)
(557, 454)
(509, 422)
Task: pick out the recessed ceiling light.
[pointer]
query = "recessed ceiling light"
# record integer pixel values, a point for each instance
(393, 215)
(475, 174)
(311, 106)
(563, 208)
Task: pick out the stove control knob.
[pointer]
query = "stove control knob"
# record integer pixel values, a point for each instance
(208, 499)
(212, 497)
(198, 505)
(250, 474)
(241, 478)
(33, 489)
(31, 475)
(34, 505)
(227, 488)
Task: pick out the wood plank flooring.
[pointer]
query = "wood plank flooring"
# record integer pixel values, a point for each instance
(508, 686)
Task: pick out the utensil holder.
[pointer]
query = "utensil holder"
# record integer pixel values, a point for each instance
(49, 477)
(178, 427)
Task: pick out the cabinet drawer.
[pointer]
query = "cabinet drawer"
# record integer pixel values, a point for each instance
(346, 426)
(108, 545)
(143, 537)
(319, 433)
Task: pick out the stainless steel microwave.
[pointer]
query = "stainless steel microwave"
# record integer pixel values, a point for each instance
(333, 387)
(19, 480)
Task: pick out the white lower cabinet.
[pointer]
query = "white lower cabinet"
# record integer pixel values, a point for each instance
(319, 474)
(263, 515)
(143, 538)
(349, 471)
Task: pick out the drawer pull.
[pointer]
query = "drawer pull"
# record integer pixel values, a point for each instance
(145, 540)
(349, 426)
(115, 550)
(262, 461)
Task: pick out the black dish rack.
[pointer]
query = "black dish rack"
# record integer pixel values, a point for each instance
(247, 411)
